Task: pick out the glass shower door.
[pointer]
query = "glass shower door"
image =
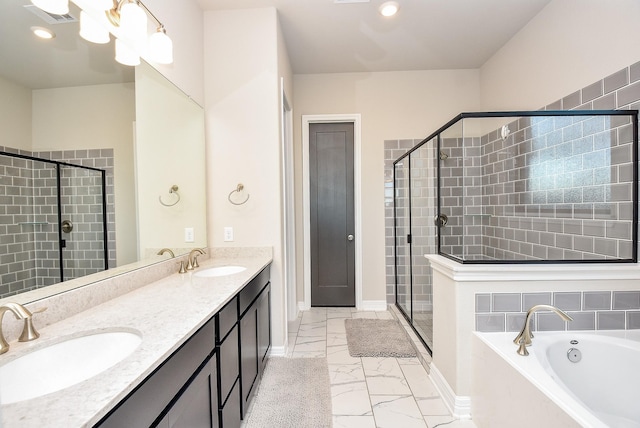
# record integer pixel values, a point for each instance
(402, 211)
(82, 228)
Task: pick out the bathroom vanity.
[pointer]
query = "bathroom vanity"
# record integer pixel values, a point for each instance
(204, 345)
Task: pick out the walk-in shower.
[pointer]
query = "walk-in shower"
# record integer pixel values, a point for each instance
(515, 187)
(52, 222)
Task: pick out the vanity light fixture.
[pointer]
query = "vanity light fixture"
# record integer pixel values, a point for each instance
(43, 33)
(389, 8)
(130, 18)
(55, 7)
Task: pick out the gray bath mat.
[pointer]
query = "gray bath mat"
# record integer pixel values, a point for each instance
(377, 338)
(293, 393)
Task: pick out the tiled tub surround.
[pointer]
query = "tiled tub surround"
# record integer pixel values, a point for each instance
(28, 218)
(166, 313)
(503, 288)
(590, 310)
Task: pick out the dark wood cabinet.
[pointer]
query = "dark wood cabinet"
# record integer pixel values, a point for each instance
(210, 380)
(152, 401)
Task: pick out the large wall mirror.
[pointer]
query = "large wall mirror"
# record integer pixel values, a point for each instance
(102, 164)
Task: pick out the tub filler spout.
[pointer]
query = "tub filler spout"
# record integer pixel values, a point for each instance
(523, 339)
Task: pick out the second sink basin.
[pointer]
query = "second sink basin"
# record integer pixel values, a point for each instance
(64, 364)
(219, 271)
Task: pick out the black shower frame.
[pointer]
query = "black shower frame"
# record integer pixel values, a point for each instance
(514, 114)
(59, 164)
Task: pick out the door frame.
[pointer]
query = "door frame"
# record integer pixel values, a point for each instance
(357, 190)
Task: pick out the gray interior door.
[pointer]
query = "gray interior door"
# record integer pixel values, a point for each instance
(332, 214)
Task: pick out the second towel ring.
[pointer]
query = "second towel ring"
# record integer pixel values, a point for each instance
(238, 189)
(173, 189)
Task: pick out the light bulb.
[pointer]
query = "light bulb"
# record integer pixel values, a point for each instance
(133, 23)
(125, 55)
(104, 4)
(389, 8)
(54, 7)
(91, 30)
(161, 47)
(43, 33)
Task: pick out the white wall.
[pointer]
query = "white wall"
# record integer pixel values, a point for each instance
(169, 150)
(94, 117)
(393, 105)
(184, 23)
(567, 46)
(243, 136)
(15, 115)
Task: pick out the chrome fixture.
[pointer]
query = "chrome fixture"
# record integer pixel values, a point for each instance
(166, 250)
(239, 188)
(193, 258)
(443, 155)
(441, 220)
(523, 339)
(172, 190)
(21, 313)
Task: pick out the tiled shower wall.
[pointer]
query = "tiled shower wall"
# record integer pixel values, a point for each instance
(28, 218)
(620, 90)
(557, 188)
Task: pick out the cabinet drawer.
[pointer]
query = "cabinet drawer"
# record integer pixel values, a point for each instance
(230, 413)
(227, 319)
(252, 289)
(228, 364)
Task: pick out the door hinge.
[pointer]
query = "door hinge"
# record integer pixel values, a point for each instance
(409, 239)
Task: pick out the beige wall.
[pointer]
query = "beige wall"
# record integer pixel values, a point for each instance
(567, 46)
(243, 136)
(15, 115)
(94, 117)
(169, 150)
(393, 105)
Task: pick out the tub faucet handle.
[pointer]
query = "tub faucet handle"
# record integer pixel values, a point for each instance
(523, 339)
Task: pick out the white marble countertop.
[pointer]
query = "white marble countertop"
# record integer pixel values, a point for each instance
(166, 313)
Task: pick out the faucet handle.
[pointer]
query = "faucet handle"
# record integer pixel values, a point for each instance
(29, 332)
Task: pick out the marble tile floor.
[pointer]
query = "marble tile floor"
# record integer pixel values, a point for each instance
(369, 392)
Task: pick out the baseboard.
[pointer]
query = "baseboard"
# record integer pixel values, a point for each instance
(302, 307)
(459, 405)
(374, 305)
(278, 351)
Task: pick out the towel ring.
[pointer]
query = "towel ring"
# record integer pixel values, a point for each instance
(238, 189)
(174, 190)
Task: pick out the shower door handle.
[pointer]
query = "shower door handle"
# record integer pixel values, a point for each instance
(349, 237)
(441, 220)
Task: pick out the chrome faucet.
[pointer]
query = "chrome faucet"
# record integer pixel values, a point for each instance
(193, 258)
(523, 339)
(166, 250)
(21, 313)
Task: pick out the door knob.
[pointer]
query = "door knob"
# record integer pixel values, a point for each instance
(441, 220)
(350, 237)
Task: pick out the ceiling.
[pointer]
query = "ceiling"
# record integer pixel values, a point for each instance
(66, 60)
(327, 36)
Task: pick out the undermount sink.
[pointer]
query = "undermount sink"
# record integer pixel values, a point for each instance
(64, 364)
(220, 271)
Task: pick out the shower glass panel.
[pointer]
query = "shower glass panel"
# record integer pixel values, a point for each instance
(402, 233)
(423, 237)
(36, 197)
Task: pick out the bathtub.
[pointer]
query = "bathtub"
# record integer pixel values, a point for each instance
(586, 379)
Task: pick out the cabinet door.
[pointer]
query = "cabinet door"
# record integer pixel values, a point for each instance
(264, 326)
(193, 408)
(249, 354)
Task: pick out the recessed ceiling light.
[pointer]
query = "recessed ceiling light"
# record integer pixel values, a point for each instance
(389, 8)
(43, 33)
